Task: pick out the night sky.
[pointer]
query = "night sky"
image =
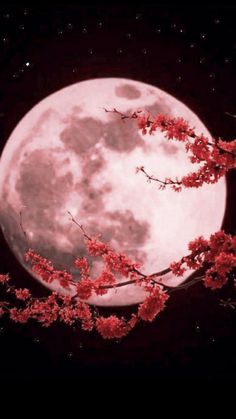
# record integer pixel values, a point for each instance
(190, 52)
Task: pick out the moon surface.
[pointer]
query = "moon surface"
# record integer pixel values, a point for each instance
(68, 154)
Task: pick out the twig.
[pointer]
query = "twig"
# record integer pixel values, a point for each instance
(79, 225)
(228, 303)
(23, 230)
(230, 114)
(151, 177)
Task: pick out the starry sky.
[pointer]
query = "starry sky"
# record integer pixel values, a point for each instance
(190, 52)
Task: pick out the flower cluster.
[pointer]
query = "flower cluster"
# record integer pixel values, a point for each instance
(4, 279)
(51, 309)
(115, 261)
(216, 156)
(218, 255)
(153, 304)
(70, 310)
(174, 128)
(96, 247)
(103, 281)
(85, 288)
(112, 327)
(83, 266)
(22, 294)
(44, 268)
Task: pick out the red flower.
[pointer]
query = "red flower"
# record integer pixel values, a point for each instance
(143, 123)
(153, 305)
(20, 315)
(224, 263)
(67, 315)
(85, 288)
(106, 278)
(120, 263)
(198, 245)
(63, 277)
(161, 122)
(22, 294)
(213, 280)
(199, 148)
(96, 247)
(133, 321)
(178, 129)
(83, 266)
(45, 312)
(112, 327)
(4, 279)
(177, 268)
(220, 242)
(229, 146)
(83, 311)
(87, 325)
(41, 266)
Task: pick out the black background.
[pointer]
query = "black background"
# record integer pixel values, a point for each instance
(189, 51)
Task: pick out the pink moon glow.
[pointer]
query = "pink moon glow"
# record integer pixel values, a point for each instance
(68, 154)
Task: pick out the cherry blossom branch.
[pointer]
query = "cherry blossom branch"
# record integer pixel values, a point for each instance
(144, 277)
(123, 116)
(79, 225)
(162, 182)
(218, 156)
(132, 268)
(164, 123)
(187, 284)
(217, 255)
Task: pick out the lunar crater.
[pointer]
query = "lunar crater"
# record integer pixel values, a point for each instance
(169, 148)
(81, 134)
(129, 229)
(127, 91)
(121, 136)
(159, 106)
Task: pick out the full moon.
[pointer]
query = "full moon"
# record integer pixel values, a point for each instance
(68, 154)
